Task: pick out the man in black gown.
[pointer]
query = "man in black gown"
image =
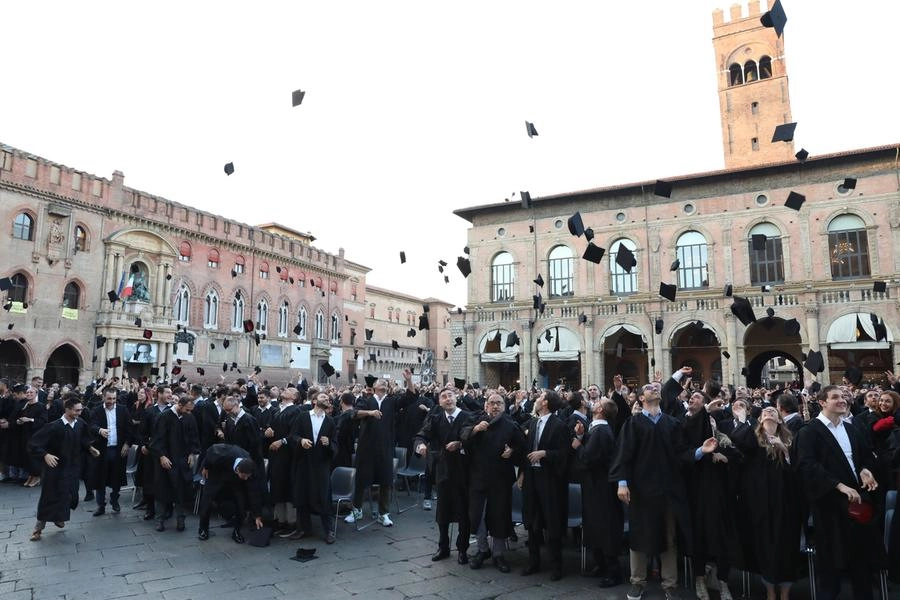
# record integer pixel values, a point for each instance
(175, 447)
(111, 428)
(230, 472)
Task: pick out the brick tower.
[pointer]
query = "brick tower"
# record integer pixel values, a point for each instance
(753, 88)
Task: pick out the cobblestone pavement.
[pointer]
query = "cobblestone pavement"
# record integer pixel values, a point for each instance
(121, 556)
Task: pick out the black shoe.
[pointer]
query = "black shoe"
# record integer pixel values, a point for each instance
(179, 524)
(160, 525)
(149, 516)
(115, 505)
(463, 558)
(440, 555)
(555, 575)
(237, 537)
(101, 510)
(479, 558)
(531, 569)
(203, 535)
(89, 496)
(501, 564)
(608, 581)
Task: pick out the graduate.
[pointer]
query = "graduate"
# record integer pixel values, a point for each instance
(312, 440)
(175, 447)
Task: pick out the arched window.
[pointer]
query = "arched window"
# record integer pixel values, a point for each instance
(622, 282)
(71, 295)
(750, 72)
(283, 319)
(19, 290)
(211, 309)
(848, 244)
(335, 328)
(691, 250)
(735, 75)
(320, 325)
(237, 311)
(262, 316)
(80, 239)
(502, 278)
(23, 227)
(263, 270)
(301, 279)
(181, 310)
(238, 264)
(301, 321)
(765, 67)
(561, 272)
(766, 264)
(212, 259)
(284, 274)
(184, 252)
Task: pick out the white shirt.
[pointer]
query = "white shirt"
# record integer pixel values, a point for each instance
(840, 434)
(538, 432)
(596, 422)
(317, 421)
(69, 423)
(239, 415)
(379, 401)
(454, 414)
(113, 437)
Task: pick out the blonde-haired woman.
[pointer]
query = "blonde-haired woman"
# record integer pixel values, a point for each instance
(769, 498)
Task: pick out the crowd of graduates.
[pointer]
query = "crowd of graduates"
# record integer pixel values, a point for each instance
(732, 478)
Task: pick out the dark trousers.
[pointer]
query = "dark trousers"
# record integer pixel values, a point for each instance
(384, 497)
(222, 491)
(554, 547)
(107, 462)
(304, 520)
(462, 537)
(860, 576)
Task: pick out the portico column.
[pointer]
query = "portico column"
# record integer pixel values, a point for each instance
(731, 343)
(160, 281)
(589, 353)
(812, 335)
(471, 373)
(526, 374)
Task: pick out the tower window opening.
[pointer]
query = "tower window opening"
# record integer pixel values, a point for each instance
(735, 75)
(765, 67)
(750, 72)
(754, 108)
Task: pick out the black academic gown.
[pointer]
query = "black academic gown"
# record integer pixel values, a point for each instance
(375, 444)
(840, 541)
(771, 510)
(651, 459)
(491, 475)
(346, 428)
(311, 469)
(21, 434)
(601, 510)
(545, 491)
(219, 463)
(175, 438)
(209, 420)
(59, 485)
(451, 468)
(245, 433)
(148, 462)
(113, 474)
(280, 487)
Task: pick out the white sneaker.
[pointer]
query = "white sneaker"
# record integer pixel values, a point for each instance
(724, 592)
(354, 516)
(426, 505)
(385, 520)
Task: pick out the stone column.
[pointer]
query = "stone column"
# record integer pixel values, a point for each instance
(109, 278)
(167, 289)
(589, 353)
(526, 373)
(119, 346)
(666, 366)
(160, 280)
(472, 370)
(731, 374)
(812, 336)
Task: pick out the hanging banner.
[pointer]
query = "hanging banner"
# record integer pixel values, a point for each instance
(70, 313)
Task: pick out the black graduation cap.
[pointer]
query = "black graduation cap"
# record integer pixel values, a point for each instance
(464, 266)
(446, 279)
(234, 365)
(729, 290)
(411, 332)
(593, 253)
(100, 341)
(668, 291)
(7, 306)
(662, 188)
(457, 342)
(112, 295)
(576, 225)
(582, 319)
(370, 380)
(539, 280)
(854, 375)
(744, 371)
(542, 307)
(233, 273)
(154, 372)
(442, 263)
(256, 338)
(201, 371)
(526, 199)
(795, 200)
(10, 326)
(466, 249)
(298, 329)
(226, 343)
(770, 312)
(589, 234)
(459, 383)
(176, 370)
(758, 242)
(529, 129)
(137, 322)
(229, 168)
(423, 322)
(248, 325)
(304, 555)
(784, 132)
(742, 309)
(277, 269)
(814, 362)
(446, 355)
(177, 361)
(5, 284)
(658, 326)
(775, 17)
(880, 331)
(168, 277)
(849, 183)
(257, 370)
(625, 258)
(114, 362)
(225, 367)
(395, 345)
(726, 354)
(548, 335)
(402, 257)
(802, 155)
(674, 266)
(369, 334)
(879, 286)
(791, 327)
(512, 339)
(297, 97)
(536, 301)
(147, 334)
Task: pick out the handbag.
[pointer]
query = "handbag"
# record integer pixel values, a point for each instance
(861, 512)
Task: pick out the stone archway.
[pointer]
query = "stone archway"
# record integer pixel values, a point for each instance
(13, 361)
(697, 346)
(761, 374)
(63, 366)
(766, 340)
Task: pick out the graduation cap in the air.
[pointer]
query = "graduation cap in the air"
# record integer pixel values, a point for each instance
(257, 370)
(256, 338)
(176, 370)
(100, 341)
(536, 301)
(674, 266)
(526, 199)
(729, 290)
(791, 327)
(395, 345)
(758, 241)
(582, 319)
(112, 295)
(530, 130)
(667, 291)
(423, 322)
(459, 383)
(742, 309)
(225, 367)
(5, 284)
(784, 132)
(464, 266)
(457, 342)
(512, 339)
(849, 183)
(402, 257)
(880, 331)
(854, 375)
(148, 334)
(233, 273)
(114, 362)
(726, 354)
(369, 334)
(658, 326)
(411, 332)
(201, 371)
(576, 225)
(370, 380)
(593, 253)
(234, 365)
(229, 168)
(154, 371)
(662, 188)
(7, 306)
(588, 234)
(277, 269)
(802, 155)
(795, 200)
(548, 335)
(248, 325)
(226, 343)
(446, 279)
(298, 329)
(770, 312)
(814, 362)
(879, 286)
(539, 280)
(297, 97)
(775, 18)
(10, 326)
(625, 258)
